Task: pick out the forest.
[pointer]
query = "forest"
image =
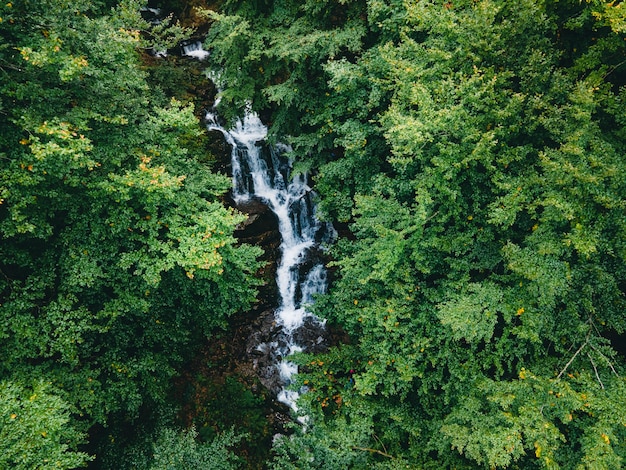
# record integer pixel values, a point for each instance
(471, 156)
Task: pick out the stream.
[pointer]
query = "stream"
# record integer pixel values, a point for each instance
(262, 172)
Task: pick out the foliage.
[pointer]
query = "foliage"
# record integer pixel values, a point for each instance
(159, 445)
(476, 149)
(272, 56)
(179, 450)
(117, 257)
(35, 430)
(473, 148)
(220, 405)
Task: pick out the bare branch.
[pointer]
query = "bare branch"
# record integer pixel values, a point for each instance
(606, 359)
(613, 69)
(373, 451)
(595, 370)
(380, 442)
(592, 323)
(572, 360)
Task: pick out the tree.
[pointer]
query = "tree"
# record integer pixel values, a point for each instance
(180, 450)
(476, 150)
(117, 258)
(35, 430)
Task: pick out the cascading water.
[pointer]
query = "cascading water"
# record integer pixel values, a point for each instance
(194, 49)
(261, 172)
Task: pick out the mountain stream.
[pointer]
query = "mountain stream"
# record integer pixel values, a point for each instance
(261, 172)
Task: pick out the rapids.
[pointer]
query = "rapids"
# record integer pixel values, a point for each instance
(261, 171)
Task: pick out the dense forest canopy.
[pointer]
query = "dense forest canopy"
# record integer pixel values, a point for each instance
(117, 256)
(476, 151)
(471, 154)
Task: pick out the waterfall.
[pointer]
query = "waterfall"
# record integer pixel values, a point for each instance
(194, 49)
(262, 172)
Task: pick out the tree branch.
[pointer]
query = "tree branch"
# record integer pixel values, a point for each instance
(595, 370)
(606, 359)
(380, 442)
(571, 360)
(373, 451)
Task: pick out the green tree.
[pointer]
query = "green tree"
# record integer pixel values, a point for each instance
(275, 57)
(476, 148)
(181, 451)
(117, 257)
(35, 429)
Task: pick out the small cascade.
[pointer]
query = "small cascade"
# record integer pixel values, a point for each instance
(194, 49)
(261, 172)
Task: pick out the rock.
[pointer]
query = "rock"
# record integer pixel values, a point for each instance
(261, 229)
(312, 336)
(219, 148)
(261, 221)
(253, 206)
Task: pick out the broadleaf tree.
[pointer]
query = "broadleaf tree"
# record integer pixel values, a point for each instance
(117, 258)
(476, 151)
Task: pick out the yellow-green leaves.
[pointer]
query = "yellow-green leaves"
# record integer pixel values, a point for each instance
(473, 314)
(117, 257)
(35, 429)
(474, 149)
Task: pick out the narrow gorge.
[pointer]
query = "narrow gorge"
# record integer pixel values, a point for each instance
(262, 179)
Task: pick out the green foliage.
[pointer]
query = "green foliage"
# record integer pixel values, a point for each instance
(117, 257)
(502, 421)
(35, 429)
(159, 445)
(271, 58)
(179, 450)
(329, 447)
(476, 149)
(222, 405)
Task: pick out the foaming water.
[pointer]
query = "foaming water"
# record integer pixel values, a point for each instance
(260, 171)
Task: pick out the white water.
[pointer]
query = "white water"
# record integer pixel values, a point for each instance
(259, 171)
(195, 50)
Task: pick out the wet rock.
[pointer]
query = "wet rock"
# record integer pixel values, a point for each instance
(261, 229)
(267, 343)
(280, 420)
(219, 148)
(261, 220)
(263, 340)
(312, 336)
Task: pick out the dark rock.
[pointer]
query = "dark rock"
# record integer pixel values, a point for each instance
(261, 229)
(312, 336)
(220, 149)
(254, 206)
(261, 221)
(280, 420)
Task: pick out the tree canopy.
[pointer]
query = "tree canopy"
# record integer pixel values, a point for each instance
(476, 151)
(117, 257)
(471, 154)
